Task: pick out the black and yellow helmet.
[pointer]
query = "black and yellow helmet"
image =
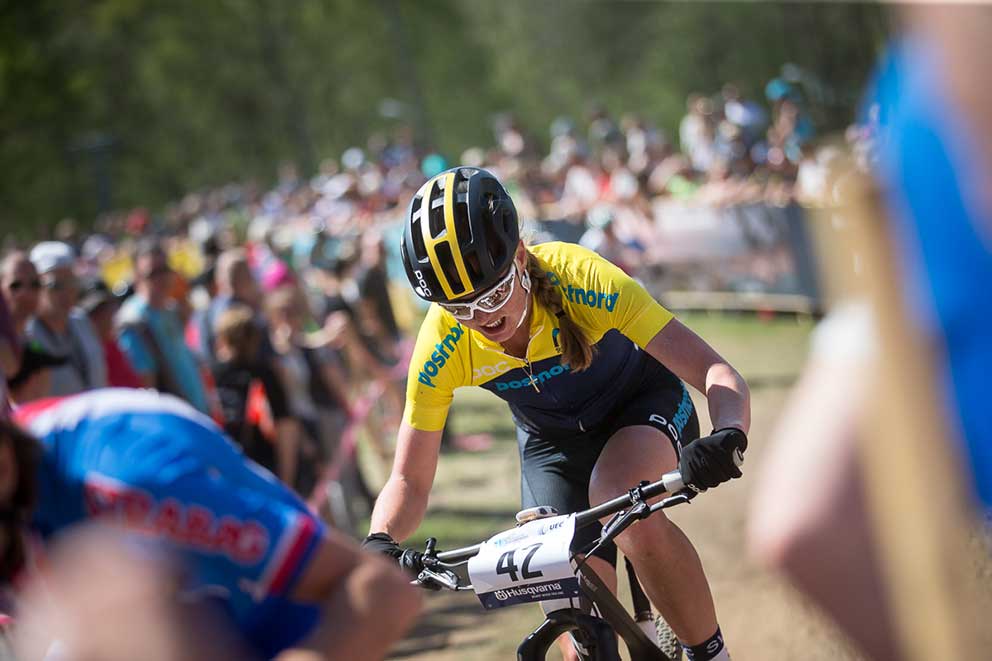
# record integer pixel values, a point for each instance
(460, 235)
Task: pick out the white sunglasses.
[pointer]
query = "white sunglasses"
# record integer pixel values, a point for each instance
(489, 301)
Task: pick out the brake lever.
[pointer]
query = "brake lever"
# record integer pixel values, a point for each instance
(680, 498)
(433, 576)
(435, 580)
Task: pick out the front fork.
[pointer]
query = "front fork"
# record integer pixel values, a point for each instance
(595, 635)
(600, 633)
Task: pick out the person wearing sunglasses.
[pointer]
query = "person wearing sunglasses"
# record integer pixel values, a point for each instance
(19, 286)
(60, 328)
(593, 369)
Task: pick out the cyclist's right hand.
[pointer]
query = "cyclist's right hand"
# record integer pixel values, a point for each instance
(710, 461)
(408, 559)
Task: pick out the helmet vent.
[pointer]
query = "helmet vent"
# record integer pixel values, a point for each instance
(473, 268)
(462, 227)
(435, 217)
(497, 251)
(416, 233)
(509, 219)
(447, 261)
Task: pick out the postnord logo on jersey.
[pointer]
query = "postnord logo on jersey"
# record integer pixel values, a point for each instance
(443, 351)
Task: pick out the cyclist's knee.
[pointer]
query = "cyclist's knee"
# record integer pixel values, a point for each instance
(650, 536)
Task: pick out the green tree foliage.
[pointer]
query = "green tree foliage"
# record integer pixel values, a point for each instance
(134, 102)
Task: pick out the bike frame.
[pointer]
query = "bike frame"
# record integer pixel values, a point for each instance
(598, 630)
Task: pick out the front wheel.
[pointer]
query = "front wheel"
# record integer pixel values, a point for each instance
(602, 647)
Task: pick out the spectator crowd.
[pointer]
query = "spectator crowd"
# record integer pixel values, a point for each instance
(283, 313)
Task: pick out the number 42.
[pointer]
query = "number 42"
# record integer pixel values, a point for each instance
(507, 563)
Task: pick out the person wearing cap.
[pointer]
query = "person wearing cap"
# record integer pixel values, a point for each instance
(101, 305)
(60, 328)
(151, 333)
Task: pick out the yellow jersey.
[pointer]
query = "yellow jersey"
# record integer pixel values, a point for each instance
(614, 312)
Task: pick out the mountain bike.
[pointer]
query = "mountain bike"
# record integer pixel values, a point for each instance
(534, 562)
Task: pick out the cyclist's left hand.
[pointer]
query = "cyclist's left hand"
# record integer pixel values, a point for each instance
(709, 461)
(410, 560)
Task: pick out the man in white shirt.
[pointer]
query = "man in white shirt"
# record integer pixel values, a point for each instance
(60, 328)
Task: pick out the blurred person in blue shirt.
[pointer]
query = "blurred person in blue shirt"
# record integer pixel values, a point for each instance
(166, 479)
(929, 110)
(151, 333)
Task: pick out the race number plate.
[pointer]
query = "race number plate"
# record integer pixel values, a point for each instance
(528, 563)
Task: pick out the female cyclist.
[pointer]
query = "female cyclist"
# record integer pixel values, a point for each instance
(592, 368)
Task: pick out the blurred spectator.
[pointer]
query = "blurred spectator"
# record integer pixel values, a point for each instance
(251, 395)
(375, 307)
(20, 287)
(234, 283)
(348, 330)
(744, 113)
(151, 334)
(696, 132)
(10, 355)
(210, 250)
(581, 188)
(62, 329)
(791, 128)
(101, 306)
(314, 383)
(601, 237)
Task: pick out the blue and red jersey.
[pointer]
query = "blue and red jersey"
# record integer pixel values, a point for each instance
(165, 471)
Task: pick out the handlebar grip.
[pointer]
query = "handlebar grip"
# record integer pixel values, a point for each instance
(673, 481)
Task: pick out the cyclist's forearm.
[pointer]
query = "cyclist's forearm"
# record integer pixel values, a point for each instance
(399, 509)
(371, 610)
(728, 398)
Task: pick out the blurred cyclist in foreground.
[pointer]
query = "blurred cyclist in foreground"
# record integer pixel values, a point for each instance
(246, 546)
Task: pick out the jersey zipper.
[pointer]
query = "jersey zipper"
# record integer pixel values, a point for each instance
(527, 366)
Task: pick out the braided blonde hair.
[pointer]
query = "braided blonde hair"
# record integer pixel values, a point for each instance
(576, 350)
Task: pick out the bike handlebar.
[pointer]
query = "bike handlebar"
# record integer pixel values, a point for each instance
(669, 483)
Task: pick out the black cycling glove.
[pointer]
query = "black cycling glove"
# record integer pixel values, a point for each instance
(709, 461)
(408, 559)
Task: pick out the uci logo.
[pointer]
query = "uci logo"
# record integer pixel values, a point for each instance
(423, 289)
